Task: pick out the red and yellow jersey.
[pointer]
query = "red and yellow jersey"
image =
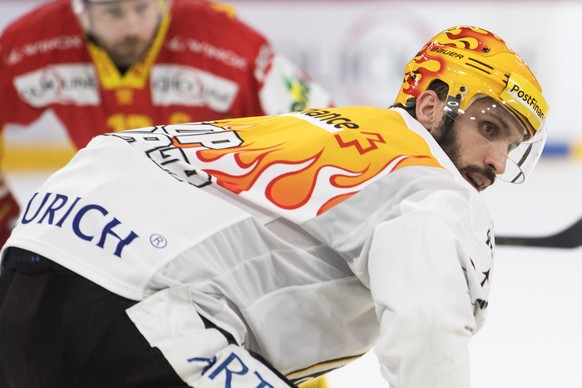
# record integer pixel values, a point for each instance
(203, 65)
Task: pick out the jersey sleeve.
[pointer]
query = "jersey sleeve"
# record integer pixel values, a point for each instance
(284, 86)
(14, 109)
(428, 271)
(9, 211)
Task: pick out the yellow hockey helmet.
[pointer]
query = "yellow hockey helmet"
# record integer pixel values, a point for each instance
(474, 62)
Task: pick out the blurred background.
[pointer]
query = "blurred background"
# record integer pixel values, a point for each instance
(357, 50)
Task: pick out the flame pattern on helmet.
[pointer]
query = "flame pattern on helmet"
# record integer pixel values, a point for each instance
(471, 61)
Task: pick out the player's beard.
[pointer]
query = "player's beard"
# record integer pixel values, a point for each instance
(129, 51)
(446, 137)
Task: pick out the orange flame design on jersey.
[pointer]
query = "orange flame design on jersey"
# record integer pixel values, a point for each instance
(292, 162)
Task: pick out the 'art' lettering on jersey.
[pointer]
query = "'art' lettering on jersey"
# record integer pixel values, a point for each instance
(235, 367)
(89, 222)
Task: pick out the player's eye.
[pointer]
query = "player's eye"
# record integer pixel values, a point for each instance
(489, 130)
(114, 12)
(141, 8)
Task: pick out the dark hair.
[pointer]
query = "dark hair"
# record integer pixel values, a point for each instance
(441, 88)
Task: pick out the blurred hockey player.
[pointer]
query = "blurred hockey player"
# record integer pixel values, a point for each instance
(110, 65)
(264, 251)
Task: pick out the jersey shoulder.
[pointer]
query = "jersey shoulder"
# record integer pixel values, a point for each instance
(41, 36)
(53, 18)
(214, 23)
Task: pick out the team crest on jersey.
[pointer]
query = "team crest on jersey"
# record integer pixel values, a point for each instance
(285, 87)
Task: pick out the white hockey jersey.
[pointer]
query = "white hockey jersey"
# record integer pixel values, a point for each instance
(309, 236)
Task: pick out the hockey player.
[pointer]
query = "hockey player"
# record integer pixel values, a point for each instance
(264, 251)
(109, 65)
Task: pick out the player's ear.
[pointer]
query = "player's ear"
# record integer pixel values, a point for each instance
(429, 110)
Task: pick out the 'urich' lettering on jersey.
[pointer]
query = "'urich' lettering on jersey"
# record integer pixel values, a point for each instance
(60, 211)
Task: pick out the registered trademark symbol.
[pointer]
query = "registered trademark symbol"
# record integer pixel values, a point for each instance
(158, 241)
